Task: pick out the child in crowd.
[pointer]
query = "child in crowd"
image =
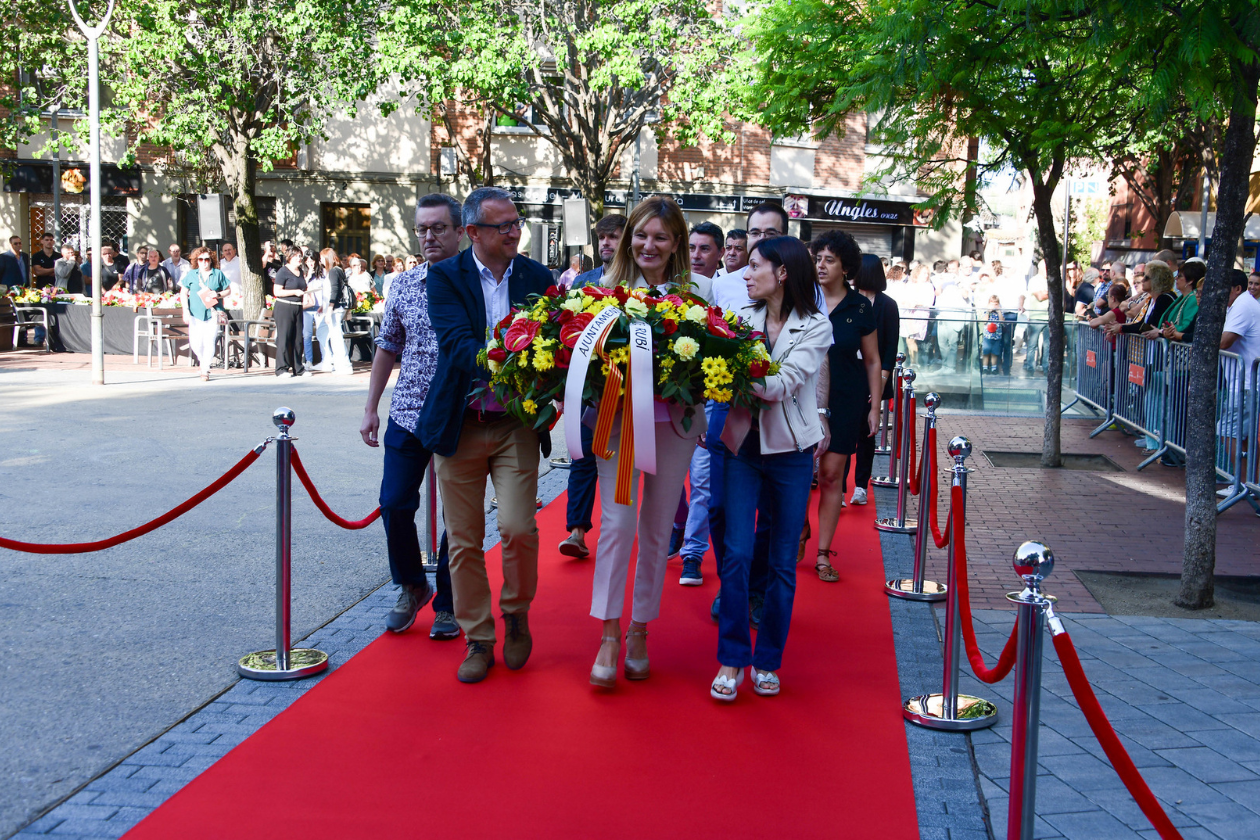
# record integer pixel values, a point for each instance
(991, 345)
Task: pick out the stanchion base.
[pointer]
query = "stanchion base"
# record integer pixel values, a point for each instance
(561, 463)
(904, 588)
(910, 526)
(883, 450)
(885, 481)
(303, 662)
(974, 713)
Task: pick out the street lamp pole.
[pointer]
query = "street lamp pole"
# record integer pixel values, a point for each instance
(93, 35)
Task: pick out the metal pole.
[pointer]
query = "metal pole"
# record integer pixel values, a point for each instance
(285, 662)
(430, 517)
(93, 35)
(899, 524)
(638, 144)
(1207, 189)
(890, 479)
(1034, 562)
(916, 588)
(949, 710)
(56, 185)
(284, 537)
(885, 428)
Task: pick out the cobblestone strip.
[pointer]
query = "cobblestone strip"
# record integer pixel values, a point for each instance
(941, 764)
(112, 803)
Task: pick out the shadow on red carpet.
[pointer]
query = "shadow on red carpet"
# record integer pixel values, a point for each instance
(391, 745)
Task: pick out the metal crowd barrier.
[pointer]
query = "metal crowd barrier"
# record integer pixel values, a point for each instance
(1095, 374)
(1138, 400)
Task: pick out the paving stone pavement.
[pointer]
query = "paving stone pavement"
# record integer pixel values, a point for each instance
(115, 801)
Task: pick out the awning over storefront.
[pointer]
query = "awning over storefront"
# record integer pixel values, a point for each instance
(36, 176)
(700, 202)
(1185, 225)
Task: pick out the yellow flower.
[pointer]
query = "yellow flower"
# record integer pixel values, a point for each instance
(494, 366)
(619, 356)
(665, 308)
(636, 307)
(718, 394)
(687, 347)
(530, 407)
(522, 359)
(518, 316)
(574, 304)
(543, 360)
(697, 314)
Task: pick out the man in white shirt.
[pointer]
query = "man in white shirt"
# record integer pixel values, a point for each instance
(706, 255)
(1241, 335)
(765, 221)
(735, 256)
(230, 265)
(176, 265)
(1010, 292)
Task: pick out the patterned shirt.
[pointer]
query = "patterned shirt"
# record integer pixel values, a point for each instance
(407, 332)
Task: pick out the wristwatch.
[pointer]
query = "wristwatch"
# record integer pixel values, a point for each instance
(825, 412)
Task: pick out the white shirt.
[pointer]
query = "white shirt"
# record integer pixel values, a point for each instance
(498, 304)
(177, 269)
(1243, 320)
(232, 270)
(729, 291)
(1010, 292)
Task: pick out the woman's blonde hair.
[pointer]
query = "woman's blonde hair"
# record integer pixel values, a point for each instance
(623, 270)
(1160, 275)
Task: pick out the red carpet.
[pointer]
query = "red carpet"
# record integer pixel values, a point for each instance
(391, 745)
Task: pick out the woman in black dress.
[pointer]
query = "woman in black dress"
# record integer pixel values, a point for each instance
(870, 284)
(854, 377)
(289, 288)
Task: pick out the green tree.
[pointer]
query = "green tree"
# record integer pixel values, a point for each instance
(1206, 51)
(583, 75)
(45, 59)
(230, 86)
(1030, 79)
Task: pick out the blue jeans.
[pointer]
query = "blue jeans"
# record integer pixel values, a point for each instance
(1010, 319)
(696, 540)
(308, 332)
(583, 478)
(406, 461)
(718, 456)
(785, 479)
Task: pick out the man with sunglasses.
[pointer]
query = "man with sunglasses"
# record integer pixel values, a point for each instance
(407, 333)
(473, 437)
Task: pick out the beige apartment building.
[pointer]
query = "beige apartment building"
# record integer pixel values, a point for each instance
(355, 190)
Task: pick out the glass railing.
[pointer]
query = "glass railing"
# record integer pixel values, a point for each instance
(948, 354)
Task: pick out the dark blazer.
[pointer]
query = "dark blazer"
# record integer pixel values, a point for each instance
(457, 310)
(887, 330)
(12, 273)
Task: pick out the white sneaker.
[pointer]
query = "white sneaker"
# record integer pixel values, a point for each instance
(859, 496)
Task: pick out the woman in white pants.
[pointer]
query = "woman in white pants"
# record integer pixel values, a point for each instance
(339, 297)
(653, 253)
(202, 291)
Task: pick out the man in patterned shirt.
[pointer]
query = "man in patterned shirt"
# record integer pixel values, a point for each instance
(406, 332)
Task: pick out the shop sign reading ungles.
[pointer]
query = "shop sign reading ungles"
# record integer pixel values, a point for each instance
(859, 210)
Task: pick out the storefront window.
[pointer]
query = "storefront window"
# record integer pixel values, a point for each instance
(347, 228)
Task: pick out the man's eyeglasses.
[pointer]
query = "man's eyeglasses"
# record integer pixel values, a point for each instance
(505, 228)
(767, 233)
(437, 230)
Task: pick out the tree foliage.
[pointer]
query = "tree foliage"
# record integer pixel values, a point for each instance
(593, 71)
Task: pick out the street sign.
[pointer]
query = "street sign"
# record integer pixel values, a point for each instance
(1087, 189)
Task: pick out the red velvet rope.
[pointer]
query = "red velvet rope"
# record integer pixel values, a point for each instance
(1006, 661)
(323, 506)
(175, 513)
(913, 470)
(1106, 736)
(929, 451)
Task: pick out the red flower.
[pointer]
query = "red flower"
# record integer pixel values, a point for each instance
(649, 299)
(572, 331)
(552, 292)
(564, 317)
(755, 335)
(596, 292)
(563, 355)
(669, 326)
(758, 368)
(502, 325)
(674, 299)
(497, 354)
(622, 295)
(718, 325)
(520, 334)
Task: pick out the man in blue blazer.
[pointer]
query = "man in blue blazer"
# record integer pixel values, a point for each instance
(473, 437)
(15, 265)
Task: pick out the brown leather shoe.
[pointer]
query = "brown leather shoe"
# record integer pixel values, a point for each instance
(517, 643)
(477, 662)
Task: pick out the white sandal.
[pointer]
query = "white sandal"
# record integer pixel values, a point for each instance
(726, 683)
(765, 683)
(605, 676)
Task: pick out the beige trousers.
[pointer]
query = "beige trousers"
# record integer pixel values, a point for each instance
(653, 520)
(508, 453)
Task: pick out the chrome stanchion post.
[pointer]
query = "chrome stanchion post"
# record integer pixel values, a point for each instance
(1033, 562)
(950, 710)
(916, 588)
(285, 662)
(885, 442)
(899, 524)
(430, 558)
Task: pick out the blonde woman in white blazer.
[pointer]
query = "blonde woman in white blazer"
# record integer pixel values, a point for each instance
(652, 253)
(772, 449)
